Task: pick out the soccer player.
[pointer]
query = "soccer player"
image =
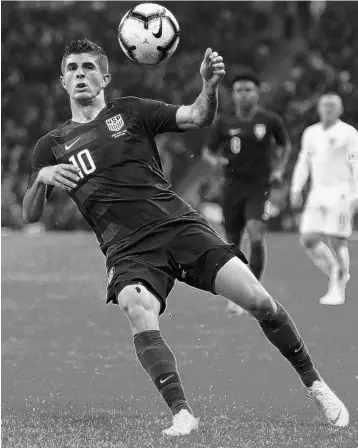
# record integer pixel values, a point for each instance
(105, 156)
(330, 155)
(253, 145)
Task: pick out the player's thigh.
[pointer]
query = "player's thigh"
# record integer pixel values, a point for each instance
(140, 305)
(133, 282)
(236, 282)
(310, 239)
(337, 242)
(313, 221)
(199, 252)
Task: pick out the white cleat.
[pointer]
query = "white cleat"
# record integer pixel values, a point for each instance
(336, 294)
(234, 310)
(328, 402)
(183, 424)
(333, 297)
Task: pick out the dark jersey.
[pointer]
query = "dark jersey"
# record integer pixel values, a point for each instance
(248, 145)
(122, 191)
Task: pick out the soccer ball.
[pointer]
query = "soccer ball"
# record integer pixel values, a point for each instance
(148, 34)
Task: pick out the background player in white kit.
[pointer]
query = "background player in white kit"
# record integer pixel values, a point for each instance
(329, 154)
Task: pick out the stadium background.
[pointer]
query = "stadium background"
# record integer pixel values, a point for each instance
(299, 49)
(69, 377)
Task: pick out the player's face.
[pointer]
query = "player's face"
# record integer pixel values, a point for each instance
(245, 93)
(329, 109)
(83, 78)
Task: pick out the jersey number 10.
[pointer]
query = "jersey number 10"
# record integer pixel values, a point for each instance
(84, 162)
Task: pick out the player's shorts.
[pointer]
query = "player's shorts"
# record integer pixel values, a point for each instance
(186, 249)
(328, 213)
(242, 204)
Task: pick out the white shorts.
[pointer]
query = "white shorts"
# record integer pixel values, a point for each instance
(328, 214)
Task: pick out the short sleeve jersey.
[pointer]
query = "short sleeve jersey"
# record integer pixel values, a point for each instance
(248, 145)
(328, 154)
(122, 191)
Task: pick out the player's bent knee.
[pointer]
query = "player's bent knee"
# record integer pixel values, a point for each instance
(309, 240)
(336, 243)
(263, 306)
(136, 300)
(256, 230)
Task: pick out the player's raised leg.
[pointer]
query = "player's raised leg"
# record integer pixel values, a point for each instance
(142, 310)
(236, 282)
(323, 258)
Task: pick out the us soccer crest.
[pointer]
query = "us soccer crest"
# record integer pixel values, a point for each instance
(115, 123)
(260, 130)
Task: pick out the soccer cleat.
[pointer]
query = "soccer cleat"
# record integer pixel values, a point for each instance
(337, 292)
(234, 310)
(332, 407)
(183, 424)
(333, 297)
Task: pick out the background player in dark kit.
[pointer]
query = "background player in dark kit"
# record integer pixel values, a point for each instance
(106, 157)
(253, 145)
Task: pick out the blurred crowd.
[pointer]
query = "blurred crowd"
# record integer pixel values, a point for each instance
(299, 49)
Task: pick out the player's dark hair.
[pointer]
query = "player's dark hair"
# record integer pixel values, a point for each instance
(246, 77)
(85, 46)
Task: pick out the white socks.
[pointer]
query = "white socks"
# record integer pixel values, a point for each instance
(343, 259)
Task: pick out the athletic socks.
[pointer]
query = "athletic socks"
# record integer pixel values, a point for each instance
(159, 362)
(282, 333)
(343, 260)
(322, 257)
(258, 258)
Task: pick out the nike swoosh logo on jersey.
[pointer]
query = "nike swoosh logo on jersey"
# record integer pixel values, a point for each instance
(67, 147)
(158, 35)
(165, 380)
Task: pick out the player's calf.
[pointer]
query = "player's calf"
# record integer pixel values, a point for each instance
(310, 240)
(340, 249)
(237, 283)
(142, 309)
(319, 252)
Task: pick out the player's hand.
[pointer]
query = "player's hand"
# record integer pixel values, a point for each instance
(296, 199)
(63, 176)
(212, 68)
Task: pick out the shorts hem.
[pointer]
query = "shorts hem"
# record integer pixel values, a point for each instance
(325, 233)
(231, 253)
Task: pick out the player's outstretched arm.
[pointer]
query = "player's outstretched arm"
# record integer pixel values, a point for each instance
(203, 111)
(300, 174)
(63, 176)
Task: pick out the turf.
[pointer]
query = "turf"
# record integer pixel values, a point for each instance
(70, 378)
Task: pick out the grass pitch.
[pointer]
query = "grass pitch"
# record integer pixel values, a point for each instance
(70, 378)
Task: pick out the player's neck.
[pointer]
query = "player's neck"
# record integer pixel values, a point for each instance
(84, 113)
(329, 124)
(246, 114)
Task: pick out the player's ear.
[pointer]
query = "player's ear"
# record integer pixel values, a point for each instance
(106, 79)
(62, 80)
